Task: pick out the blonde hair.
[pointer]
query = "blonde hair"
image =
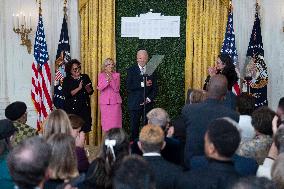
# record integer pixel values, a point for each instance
(151, 138)
(56, 122)
(63, 162)
(106, 62)
(197, 96)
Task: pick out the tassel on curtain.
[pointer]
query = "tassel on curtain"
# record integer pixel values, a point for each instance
(205, 28)
(97, 44)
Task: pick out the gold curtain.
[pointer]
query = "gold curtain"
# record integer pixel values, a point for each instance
(205, 29)
(97, 44)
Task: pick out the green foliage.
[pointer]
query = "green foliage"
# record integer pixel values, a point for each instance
(171, 72)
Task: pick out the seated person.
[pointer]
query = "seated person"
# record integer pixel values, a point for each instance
(151, 142)
(276, 148)
(243, 165)
(77, 123)
(134, 172)
(259, 146)
(7, 131)
(17, 112)
(221, 141)
(245, 106)
(173, 149)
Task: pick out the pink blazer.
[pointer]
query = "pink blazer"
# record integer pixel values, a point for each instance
(109, 90)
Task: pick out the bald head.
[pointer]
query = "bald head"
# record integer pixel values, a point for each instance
(217, 87)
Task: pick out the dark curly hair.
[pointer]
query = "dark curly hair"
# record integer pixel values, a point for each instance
(229, 70)
(69, 65)
(262, 120)
(245, 104)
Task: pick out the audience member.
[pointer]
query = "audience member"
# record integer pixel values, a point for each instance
(259, 146)
(134, 173)
(221, 141)
(253, 182)
(17, 112)
(276, 148)
(246, 106)
(28, 163)
(198, 116)
(114, 148)
(173, 150)
(243, 165)
(280, 109)
(56, 122)
(82, 160)
(63, 163)
(277, 171)
(151, 142)
(7, 130)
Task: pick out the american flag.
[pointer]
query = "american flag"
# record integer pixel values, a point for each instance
(63, 47)
(256, 67)
(41, 76)
(229, 47)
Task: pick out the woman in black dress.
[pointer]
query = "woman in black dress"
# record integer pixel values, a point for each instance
(77, 89)
(226, 67)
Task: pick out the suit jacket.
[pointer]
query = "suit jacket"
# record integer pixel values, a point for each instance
(197, 117)
(244, 166)
(135, 91)
(217, 175)
(165, 173)
(109, 90)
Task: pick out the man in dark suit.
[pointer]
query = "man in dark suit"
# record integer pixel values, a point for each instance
(151, 141)
(222, 139)
(198, 116)
(135, 87)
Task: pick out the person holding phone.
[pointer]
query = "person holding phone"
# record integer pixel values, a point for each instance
(77, 89)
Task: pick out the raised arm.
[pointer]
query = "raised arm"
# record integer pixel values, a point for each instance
(102, 82)
(115, 82)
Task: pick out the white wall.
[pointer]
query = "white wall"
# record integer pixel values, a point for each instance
(15, 62)
(272, 23)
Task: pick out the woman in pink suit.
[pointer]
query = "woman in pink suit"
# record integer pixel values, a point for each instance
(109, 100)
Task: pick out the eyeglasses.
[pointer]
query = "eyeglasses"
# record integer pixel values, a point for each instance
(76, 69)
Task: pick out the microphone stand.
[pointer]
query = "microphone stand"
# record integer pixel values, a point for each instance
(144, 99)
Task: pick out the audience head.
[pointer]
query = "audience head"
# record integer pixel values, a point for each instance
(114, 148)
(16, 111)
(280, 108)
(277, 172)
(253, 182)
(108, 65)
(7, 130)
(63, 162)
(28, 162)
(76, 123)
(279, 139)
(195, 96)
(73, 68)
(56, 122)
(134, 173)
(217, 87)
(142, 57)
(262, 120)
(222, 139)
(245, 104)
(151, 139)
(159, 117)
